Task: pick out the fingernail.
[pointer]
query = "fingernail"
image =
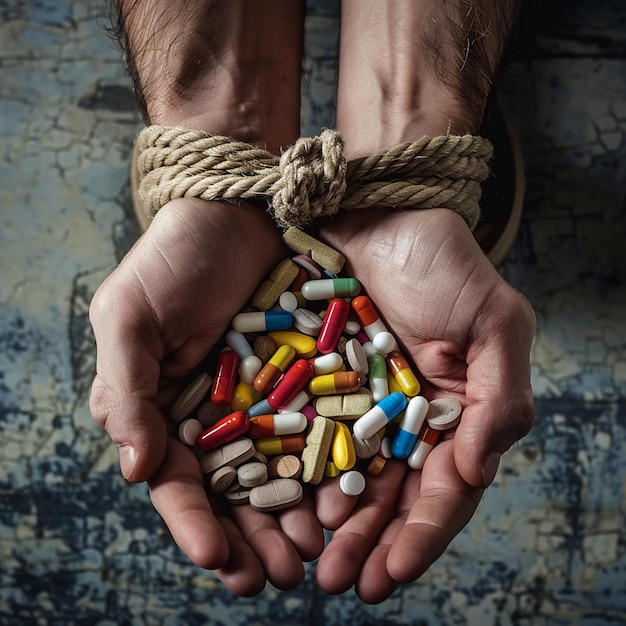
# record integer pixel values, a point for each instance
(128, 458)
(490, 467)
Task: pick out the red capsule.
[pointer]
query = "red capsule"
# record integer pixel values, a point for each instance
(226, 430)
(291, 384)
(333, 325)
(223, 386)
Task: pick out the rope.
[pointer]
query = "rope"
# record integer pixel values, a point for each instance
(311, 179)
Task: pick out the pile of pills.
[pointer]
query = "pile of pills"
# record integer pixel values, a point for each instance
(310, 384)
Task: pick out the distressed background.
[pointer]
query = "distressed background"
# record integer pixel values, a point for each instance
(79, 546)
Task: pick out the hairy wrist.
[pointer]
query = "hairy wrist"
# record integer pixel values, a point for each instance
(225, 67)
(410, 68)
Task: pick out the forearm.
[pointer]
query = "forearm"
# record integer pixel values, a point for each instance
(411, 68)
(231, 67)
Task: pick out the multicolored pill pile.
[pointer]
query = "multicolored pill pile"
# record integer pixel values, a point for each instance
(310, 384)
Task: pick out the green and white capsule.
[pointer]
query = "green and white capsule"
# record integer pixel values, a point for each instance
(329, 288)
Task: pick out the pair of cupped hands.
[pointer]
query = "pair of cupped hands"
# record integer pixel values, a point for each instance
(466, 330)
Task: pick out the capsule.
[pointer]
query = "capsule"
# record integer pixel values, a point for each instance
(262, 321)
(244, 396)
(298, 403)
(327, 363)
(379, 415)
(226, 430)
(410, 426)
(401, 371)
(276, 424)
(262, 407)
(368, 316)
(333, 325)
(337, 382)
(223, 385)
(274, 369)
(426, 441)
(303, 344)
(249, 363)
(291, 384)
(287, 444)
(378, 384)
(329, 288)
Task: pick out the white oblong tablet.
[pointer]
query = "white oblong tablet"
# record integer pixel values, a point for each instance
(352, 483)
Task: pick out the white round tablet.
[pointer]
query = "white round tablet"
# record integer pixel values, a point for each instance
(352, 483)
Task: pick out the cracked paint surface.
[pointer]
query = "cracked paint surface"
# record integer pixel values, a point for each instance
(80, 546)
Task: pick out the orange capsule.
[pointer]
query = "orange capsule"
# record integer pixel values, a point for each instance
(368, 316)
(274, 369)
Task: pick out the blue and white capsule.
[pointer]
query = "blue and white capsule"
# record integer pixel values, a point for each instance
(406, 436)
(379, 415)
(262, 321)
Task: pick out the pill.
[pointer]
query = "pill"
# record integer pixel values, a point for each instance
(191, 397)
(331, 470)
(222, 479)
(244, 396)
(232, 453)
(279, 280)
(385, 448)
(298, 403)
(271, 446)
(275, 495)
(293, 382)
(307, 322)
(309, 412)
(262, 321)
(264, 347)
(366, 448)
(284, 466)
(262, 407)
(364, 340)
(401, 371)
(384, 343)
(188, 430)
(327, 363)
(288, 301)
(352, 483)
(379, 415)
(249, 363)
(377, 376)
(393, 384)
(352, 327)
(252, 474)
(333, 325)
(368, 316)
(238, 495)
(426, 441)
(335, 383)
(209, 413)
(376, 465)
(302, 243)
(342, 448)
(315, 453)
(329, 288)
(270, 373)
(356, 357)
(226, 430)
(276, 424)
(344, 406)
(312, 269)
(225, 379)
(304, 345)
(409, 428)
(444, 413)
(260, 457)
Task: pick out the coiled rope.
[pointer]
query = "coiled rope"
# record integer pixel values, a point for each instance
(312, 179)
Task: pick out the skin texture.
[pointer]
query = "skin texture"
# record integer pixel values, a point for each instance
(160, 312)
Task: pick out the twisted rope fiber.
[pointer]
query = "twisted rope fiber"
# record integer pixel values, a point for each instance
(311, 179)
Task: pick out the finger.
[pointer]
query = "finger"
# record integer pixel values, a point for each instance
(302, 527)
(178, 494)
(341, 562)
(332, 506)
(445, 505)
(278, 556)
(500, 409)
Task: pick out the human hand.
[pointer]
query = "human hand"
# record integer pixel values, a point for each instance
(469, 334)
(155, 319)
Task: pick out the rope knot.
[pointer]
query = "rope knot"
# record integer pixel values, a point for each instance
(312, 180)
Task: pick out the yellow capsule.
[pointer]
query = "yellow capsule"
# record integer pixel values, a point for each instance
(244, 396)
(337, 382)
(305, 346)
(402, 373)
(342, 448)
(271, 446)
(393, 384)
